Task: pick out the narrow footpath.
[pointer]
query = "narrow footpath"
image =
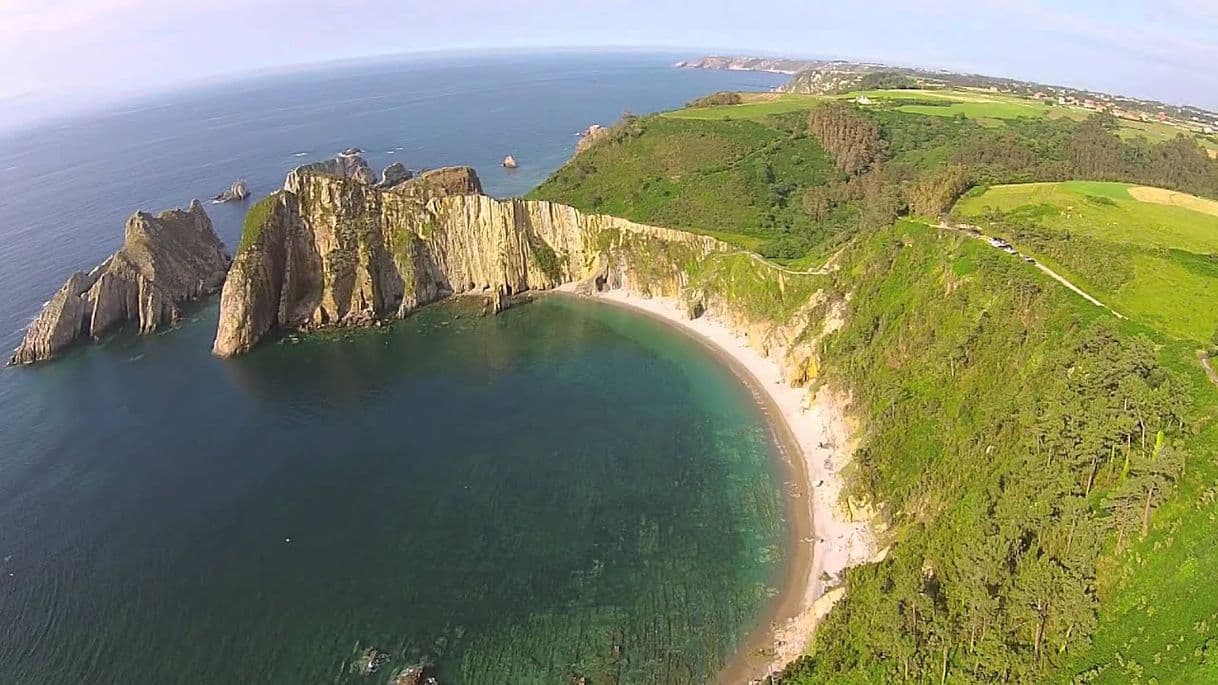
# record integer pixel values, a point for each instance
(974, 232)
(1204, 358)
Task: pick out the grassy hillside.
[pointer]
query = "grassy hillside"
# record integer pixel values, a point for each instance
(795, 177)
(1016, 436)
(737, 180)
(987, 108)
(1154, 262)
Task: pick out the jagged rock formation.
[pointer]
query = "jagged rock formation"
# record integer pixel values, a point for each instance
(235, 193)
(509, 162)
(165, 260)
(590, 136)
(332, 251)
(348, 164)
(393, 175)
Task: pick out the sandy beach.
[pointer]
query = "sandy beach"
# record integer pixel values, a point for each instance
(813, 440)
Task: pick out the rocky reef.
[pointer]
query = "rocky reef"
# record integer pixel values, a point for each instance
(165, 260)
(330, 250)
(235, 193)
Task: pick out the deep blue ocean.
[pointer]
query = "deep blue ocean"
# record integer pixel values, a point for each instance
(564, 489)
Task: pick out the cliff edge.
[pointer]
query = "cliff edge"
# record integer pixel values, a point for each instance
(329, 250)
(165, 260)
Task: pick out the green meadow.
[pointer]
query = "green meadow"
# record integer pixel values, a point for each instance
(1155, 263)
(755, 106)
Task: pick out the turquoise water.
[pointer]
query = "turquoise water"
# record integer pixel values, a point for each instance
(565, 488)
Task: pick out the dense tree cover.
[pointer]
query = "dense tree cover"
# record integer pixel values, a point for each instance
(885, 80)
(850, 137)
(1001, 495)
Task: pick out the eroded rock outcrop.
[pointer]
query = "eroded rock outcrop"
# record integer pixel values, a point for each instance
(333, 251)
(165, 260)
(393, 175)
(236, 192)
(590, 136)
(348, 164)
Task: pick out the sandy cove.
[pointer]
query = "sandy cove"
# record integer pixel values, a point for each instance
(813, 439)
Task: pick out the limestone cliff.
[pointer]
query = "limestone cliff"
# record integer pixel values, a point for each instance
(349, 164)
(165, 260)
(329, 250)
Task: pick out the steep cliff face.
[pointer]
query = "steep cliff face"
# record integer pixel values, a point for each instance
(165, 260)
(329, 250)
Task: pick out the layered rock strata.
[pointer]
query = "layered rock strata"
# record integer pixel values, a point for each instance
(165, 261)
(330, 250)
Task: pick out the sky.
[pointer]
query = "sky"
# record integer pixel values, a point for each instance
(73, 51)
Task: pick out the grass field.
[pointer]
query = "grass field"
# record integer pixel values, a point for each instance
(1153, 262)
(756, 106)
(985, 107)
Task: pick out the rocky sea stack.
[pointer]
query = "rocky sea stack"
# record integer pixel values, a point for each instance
(237, 192)
(165, 260)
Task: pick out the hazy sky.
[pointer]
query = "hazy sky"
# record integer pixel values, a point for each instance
(1166, 49)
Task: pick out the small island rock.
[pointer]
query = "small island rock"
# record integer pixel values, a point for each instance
(509, 162)
(235, 193)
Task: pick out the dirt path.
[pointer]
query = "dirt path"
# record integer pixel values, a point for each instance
(1050, 272)
(818, 271)
(1204, 358)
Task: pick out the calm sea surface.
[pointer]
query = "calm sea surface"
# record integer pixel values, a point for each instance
(565, 488)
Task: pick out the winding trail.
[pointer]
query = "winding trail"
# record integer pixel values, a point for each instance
(1050, 272)
(821, 270)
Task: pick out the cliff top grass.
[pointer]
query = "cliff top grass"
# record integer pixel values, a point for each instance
(255, 221)
(753, 106)
(737, 180)
(1156, 262)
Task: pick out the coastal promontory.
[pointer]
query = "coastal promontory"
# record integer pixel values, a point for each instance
(165, 260)
(330, 250)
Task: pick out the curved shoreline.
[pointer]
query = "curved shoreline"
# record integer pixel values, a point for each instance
(812, 440)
